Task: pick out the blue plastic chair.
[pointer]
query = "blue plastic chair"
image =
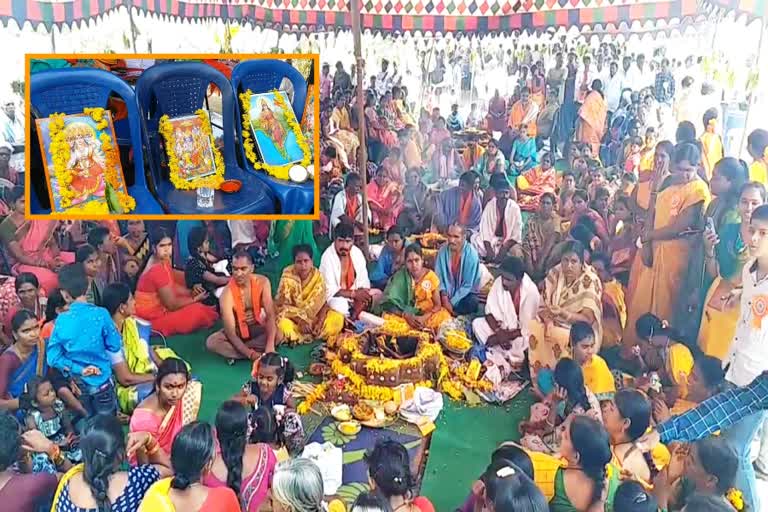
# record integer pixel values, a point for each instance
(264, 75)
(69, 91)
(179, 89)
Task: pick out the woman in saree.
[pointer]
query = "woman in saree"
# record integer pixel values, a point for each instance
(522, 117)
(726, 252)
(163, 299)
(385, 198)
(524, 156)
(135, 243)
(287, 234)
(624, 232)
(174, 403)
(413, 293)
(438, 138)
(136, 367)
(341, 134)
(302, 314)
(378, 131)
(676, 213)
(543, 232)
(496, 121)
(418, 205)
(532, 184)
(245, 468)
(398, 101)
(572, 293)
(31, 244)
(22, 361)
(490, 162)
(29, 296)
(590, 125)
(648, 183)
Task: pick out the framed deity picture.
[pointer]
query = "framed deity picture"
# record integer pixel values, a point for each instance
(192, 146)
(272, 121)
(82, 163)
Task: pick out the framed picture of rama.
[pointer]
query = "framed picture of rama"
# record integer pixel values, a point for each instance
(82, 162)
(272, 122)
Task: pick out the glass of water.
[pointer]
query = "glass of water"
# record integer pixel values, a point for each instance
(205, 197)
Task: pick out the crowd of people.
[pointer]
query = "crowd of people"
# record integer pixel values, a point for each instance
(596, 243)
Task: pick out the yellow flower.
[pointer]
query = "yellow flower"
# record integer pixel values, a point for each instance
(735, 498)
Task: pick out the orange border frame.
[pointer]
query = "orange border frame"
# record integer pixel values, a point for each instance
(155, 56)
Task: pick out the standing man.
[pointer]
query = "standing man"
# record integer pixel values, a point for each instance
(248, 315)
(342, 82)
(584, 79)
(556, 77)
(613, 88)
(383, 79)
(326, 82)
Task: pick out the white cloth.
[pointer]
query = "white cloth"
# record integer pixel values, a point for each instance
(582, 81)
(513, 226)
(339, 208)
(501, 306)
(329, 459)
(748, 356)
(613, 88)
(426, 403)
(243, 232)
(330, 269)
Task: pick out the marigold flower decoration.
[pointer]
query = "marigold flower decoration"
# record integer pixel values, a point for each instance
(211, 181)
(735, 498)
(61, 155)
(278, 171)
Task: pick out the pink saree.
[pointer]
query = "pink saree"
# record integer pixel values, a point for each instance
(254, 490)
(389, 199)
(35, 238)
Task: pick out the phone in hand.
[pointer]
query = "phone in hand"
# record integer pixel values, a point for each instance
(710, 226)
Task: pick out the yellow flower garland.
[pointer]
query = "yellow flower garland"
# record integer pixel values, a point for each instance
(278, 171)
(212, 181)
(735, 498)
(59, 149)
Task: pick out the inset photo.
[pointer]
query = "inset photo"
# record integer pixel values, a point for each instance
(158, 136)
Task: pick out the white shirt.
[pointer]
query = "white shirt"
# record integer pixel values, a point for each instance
(613, 88)
(748, 356)
(583, 79)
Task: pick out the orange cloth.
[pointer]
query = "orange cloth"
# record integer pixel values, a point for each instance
(465, 210)
(591, 125)
(237, 298)
(712, 152)
(518, 115)
(347, 273)
(352, 206)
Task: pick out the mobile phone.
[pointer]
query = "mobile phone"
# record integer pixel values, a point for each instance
(710, 224)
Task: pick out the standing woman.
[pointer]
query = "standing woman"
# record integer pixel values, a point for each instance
(648, 183)
(677, 214)
(30, 297)
(99, 484)
(192, 457)
(245, 468)
(163, 299)
(726, 252)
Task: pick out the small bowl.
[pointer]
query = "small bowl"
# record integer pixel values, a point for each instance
(342, 413)
(298, 174)
(349, 428)
(231, 186)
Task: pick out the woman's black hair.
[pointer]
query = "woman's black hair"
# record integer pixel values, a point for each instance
(706, 503)
(413, 249)
(371, 501)
(265, 426)
(709, 115)
(114, 296)
(756, 185)
(516, 456)
(159, 234)
(509, 489)
(631, 496)
(592, 443)
(737, 174)
(711, 371)
(84, 252)
(635, 407)
(582, 194)
(195, 239)
(649, 325)
(232, 433)
(718, 459)
(15, 194)
(170, 366)
(568, 375)
(687, 151)
(758, 139)
(24, 278)
(302, 249)
(103, 447)
(580, 331)
(390, 467)
(575, 247)
(284, 367)
(55, 301)
(10, 440)
(581, 233)
(20, 318)
(191, 451)
(549, 195)
(686, 132)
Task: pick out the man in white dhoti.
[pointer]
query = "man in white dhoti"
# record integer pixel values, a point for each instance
(512, 305)
(501, 225)
(348, 204)
(344, 270)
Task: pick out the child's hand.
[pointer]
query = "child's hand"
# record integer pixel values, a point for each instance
(35, 442)
(89, 371)
(75, 388)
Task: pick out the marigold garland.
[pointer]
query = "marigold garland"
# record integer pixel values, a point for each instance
(317, 394)
(735, 498)
(278, 171)
(211, 181)
(60, 152)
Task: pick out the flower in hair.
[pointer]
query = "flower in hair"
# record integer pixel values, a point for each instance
(505, 472)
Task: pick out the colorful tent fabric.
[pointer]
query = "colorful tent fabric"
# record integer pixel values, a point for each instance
(481, 16)
(752, 8)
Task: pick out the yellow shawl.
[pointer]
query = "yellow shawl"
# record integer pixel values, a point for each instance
(586, 292)
(297, 300)
(157, 498)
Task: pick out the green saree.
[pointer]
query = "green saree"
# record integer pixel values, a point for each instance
(286, 234)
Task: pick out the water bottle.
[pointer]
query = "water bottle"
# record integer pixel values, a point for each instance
(205, 197)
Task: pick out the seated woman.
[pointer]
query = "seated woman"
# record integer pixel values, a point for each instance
(389, 470)
(162, 298)
(175, 403)
(138, 362)
(581, 209)
(245, 468)
(339, 132)
(706, 380)
(99, 483)
(567, 189)
(542, 233)
(572, 293)
(614, 305)
(199, 271)
(385, 199)
(626, 418)
(597, 376)
(298, 485)
(413, 292)
(588, 481)
(390, 260)
(532, 184)
(22, 361)
(29, 296)
(302, 312)
(524, 156)
(566, 398)
(490, 163)
(192, 455)
(418, 205)
(31, 245)
(506, 487)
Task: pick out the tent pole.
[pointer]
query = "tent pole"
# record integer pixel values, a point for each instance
(53, 39)
(763, 30)
(362, 158)
(133, 29)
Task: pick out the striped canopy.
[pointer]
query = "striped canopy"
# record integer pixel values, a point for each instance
(752, 8)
